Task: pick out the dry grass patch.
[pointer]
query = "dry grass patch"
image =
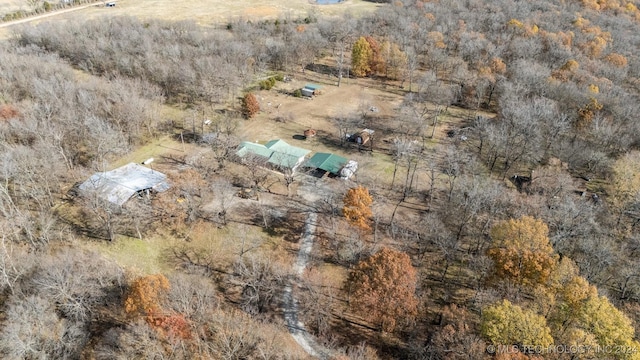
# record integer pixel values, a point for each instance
(7, 6)
(206, 244)
(211, 12)
(137, 256)
(327, 275)
(286, 117)
(157, 149)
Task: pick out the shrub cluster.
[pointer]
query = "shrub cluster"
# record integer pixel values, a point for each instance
(268, 83)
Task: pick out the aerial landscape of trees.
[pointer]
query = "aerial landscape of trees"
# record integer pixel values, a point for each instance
(496, 204)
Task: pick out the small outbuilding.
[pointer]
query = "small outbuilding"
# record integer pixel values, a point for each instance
(310, 89)
(119, 185)
(362, 137)
(330, 163)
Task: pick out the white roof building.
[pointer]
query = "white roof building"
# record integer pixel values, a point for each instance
(119, 185)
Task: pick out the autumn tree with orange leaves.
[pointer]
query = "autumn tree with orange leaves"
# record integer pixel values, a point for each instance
(521, 251)
(250, 105)
(357, 207)
(145, 295)
(145, 298)
(376, 62)
(383, 289)
(361, 57)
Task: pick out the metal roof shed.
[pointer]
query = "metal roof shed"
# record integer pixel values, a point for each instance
(277, 152)
(247, 148)
(285, 155)
(282, 146)
(119, 185)
(328, 162)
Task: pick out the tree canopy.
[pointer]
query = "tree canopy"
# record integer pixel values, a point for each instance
(146, 294)
(521, 251)
(506, 324)
(357, 207)
(383, 288)
(250, 105)
(361, 57)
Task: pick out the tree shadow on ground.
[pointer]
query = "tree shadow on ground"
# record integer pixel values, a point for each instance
(188, 137)
(322, 69)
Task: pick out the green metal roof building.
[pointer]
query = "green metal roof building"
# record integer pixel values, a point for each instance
(247, 148)
(282, 147)
(276, 152)
(328, 162)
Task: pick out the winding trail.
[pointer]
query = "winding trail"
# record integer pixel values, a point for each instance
(290, 303)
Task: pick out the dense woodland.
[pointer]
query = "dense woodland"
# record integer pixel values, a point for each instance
(529, 211)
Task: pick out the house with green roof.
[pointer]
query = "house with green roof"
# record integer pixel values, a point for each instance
(283, 147)
(330, 163)
(248, 148)
(278, 153)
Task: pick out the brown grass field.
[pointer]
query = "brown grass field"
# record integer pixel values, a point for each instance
(204, 12)
(12, 5)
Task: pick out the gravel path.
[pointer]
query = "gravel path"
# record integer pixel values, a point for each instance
(290, 303)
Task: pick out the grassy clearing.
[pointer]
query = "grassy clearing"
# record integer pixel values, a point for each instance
(135, 255)
(298, 114)
(163, 146)
(157, 148)
(328, 275)
(209, 12)
(153, 254)
(376, 166)
(7, 6)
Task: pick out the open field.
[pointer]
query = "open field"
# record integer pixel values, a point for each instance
(155, 254)
(203, 12)
(299, 114)
(206, 12)
(7, 6)
(286, 117)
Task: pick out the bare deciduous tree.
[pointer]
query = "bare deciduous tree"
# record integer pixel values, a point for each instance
(260, 281)
(224, 196)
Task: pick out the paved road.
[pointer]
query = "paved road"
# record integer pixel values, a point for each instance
(290, 303)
